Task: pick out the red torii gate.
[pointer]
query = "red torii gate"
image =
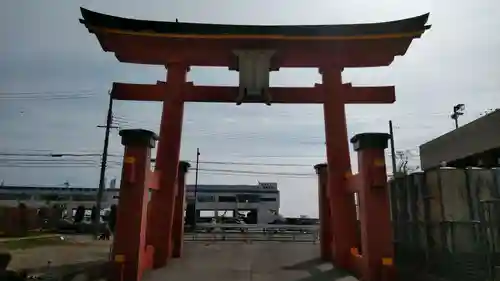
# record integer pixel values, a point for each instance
(254, 51)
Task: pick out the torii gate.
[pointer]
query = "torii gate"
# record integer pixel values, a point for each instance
(255, 51)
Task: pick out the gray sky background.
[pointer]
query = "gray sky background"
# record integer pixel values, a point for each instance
(44, 49)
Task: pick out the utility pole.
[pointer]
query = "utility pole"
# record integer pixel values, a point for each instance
(393, 185)
(393, 150)
(458, 110)
(196, 188)
(104, 159)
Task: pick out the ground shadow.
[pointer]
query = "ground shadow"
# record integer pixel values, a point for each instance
(316, 274)
(93, 270)
(305, 265)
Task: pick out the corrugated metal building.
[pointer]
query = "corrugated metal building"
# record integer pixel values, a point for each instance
(474, 144)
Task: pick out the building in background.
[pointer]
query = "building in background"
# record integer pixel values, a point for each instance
(262, 199)
(67, 197)
(476, 144)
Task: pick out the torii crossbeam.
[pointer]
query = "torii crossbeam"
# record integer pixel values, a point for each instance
(221, 94)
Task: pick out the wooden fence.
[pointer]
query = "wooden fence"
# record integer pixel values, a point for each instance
(19, 221)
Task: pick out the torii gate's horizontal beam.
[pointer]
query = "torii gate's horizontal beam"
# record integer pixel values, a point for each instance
(222, 94)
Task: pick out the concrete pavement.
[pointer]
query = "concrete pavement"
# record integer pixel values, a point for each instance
(239, 261)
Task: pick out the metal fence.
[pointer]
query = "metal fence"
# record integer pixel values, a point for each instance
(258, 232)
(447, 223)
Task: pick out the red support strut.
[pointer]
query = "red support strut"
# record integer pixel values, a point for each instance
(374, 211)
(180, 199)
(163, 200)
(325, 217)
(130, 255)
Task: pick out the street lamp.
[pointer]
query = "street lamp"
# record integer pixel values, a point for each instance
(458, 110)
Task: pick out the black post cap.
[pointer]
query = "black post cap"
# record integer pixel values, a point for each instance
(370, 141)
(320, 166)
(184, 166)
(138, 137)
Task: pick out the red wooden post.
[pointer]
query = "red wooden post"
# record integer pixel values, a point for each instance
(129, 243)
(325, 228)
(342, 207)
(163, 200)
(180, 199)
(374, 210)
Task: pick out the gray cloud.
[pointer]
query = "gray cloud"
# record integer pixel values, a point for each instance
(44, 49)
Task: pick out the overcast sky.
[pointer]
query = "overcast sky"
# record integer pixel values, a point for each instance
(54, 78)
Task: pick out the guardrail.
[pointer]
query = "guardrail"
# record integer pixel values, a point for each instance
(255, 232)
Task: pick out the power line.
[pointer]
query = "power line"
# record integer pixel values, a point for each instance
(256, 172)
(83, 158)
(254, 175)
(77, 159)
(62, 156)
(56, 154)
(54, 166)
(95, 165)
(50, 95)
(411, 152)
(49, 163)
(251, 164)
(49, 92)
(350, 117)
(204, 172)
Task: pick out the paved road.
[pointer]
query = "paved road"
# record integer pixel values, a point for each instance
(239, 261)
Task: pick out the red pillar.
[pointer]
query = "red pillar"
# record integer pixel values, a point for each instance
(129, 243)
(342, 207)
(180, 199)
(374, 210)
(167, 162)
(325, 227)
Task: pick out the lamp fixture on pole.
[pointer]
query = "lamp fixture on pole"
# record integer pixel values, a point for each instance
(458, 110)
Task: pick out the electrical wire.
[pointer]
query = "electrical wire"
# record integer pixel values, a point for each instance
(254, 172)
(250, 164)
(48, 92)
(410, 153)
(204, 171)
(79, 163)
(350, 117)
(126, 121)
(253, 175)
(50, 95)
(57, 155)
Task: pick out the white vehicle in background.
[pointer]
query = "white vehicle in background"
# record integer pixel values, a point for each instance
(276, 219)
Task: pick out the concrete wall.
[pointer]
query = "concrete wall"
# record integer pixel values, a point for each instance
(442, 208)
(473, 138)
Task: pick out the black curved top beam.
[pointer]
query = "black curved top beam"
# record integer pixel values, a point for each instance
(93, 19)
